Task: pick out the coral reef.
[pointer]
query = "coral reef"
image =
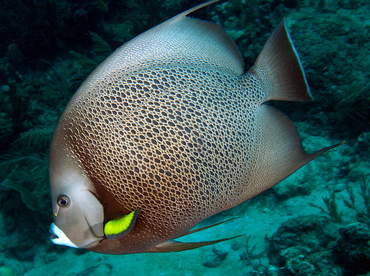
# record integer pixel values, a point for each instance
(215, 258)
(353, 248)
(303, 246)
(332, 49)
(250, 23)
(312, 245)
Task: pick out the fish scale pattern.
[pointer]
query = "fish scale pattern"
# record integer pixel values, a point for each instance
(175, 142)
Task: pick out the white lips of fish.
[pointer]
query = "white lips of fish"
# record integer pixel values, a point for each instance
(58, 236)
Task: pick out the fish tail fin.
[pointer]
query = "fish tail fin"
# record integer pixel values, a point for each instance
(281, 76)
(279, 69)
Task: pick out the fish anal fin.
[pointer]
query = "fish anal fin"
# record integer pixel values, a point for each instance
(280, 70)
(205, 227)
(175, 246)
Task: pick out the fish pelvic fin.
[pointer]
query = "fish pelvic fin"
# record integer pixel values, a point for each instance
(205, 227)
(279, 69)
(176, 246)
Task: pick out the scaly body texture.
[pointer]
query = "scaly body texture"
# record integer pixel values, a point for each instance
(172, 132)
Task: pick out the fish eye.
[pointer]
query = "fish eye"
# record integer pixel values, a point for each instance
(63, 201)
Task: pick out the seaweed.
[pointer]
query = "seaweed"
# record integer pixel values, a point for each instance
(330, 209)
(250, 23)
(30, 102)
(28, 198)
(35, 140)
(143, 14)
(101, 47)
(26, 171)
(365, 195)
(319, 5)
(355, 105)
(48, 27)
(71, 73)
(100, 4)
(250, 254)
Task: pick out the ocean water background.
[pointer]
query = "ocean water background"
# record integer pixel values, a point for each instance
(316, 222)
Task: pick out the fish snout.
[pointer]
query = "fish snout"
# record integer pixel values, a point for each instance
(58, 236)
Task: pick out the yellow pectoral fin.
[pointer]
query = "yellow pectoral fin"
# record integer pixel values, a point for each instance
(121, 226)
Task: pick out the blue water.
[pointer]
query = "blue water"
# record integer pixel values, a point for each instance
(316, 222)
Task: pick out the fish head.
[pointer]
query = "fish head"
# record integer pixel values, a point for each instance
(78, 214)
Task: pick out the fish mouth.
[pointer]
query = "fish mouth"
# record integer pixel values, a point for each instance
(58, 237)
(53, 234)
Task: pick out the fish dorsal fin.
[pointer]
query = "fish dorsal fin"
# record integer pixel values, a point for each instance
(180, 40)
(279, 68)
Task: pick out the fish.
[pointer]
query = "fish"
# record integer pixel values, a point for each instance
(169, 130)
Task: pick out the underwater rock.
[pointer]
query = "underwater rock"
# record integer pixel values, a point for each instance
(289, 190)
(364, 137)
(6, 271)
(302, 246)
(301, 261)
(15, 56)
(353, 248)
(215, 258)
(23, 251)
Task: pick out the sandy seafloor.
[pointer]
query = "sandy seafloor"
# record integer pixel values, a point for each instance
(256, 221)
